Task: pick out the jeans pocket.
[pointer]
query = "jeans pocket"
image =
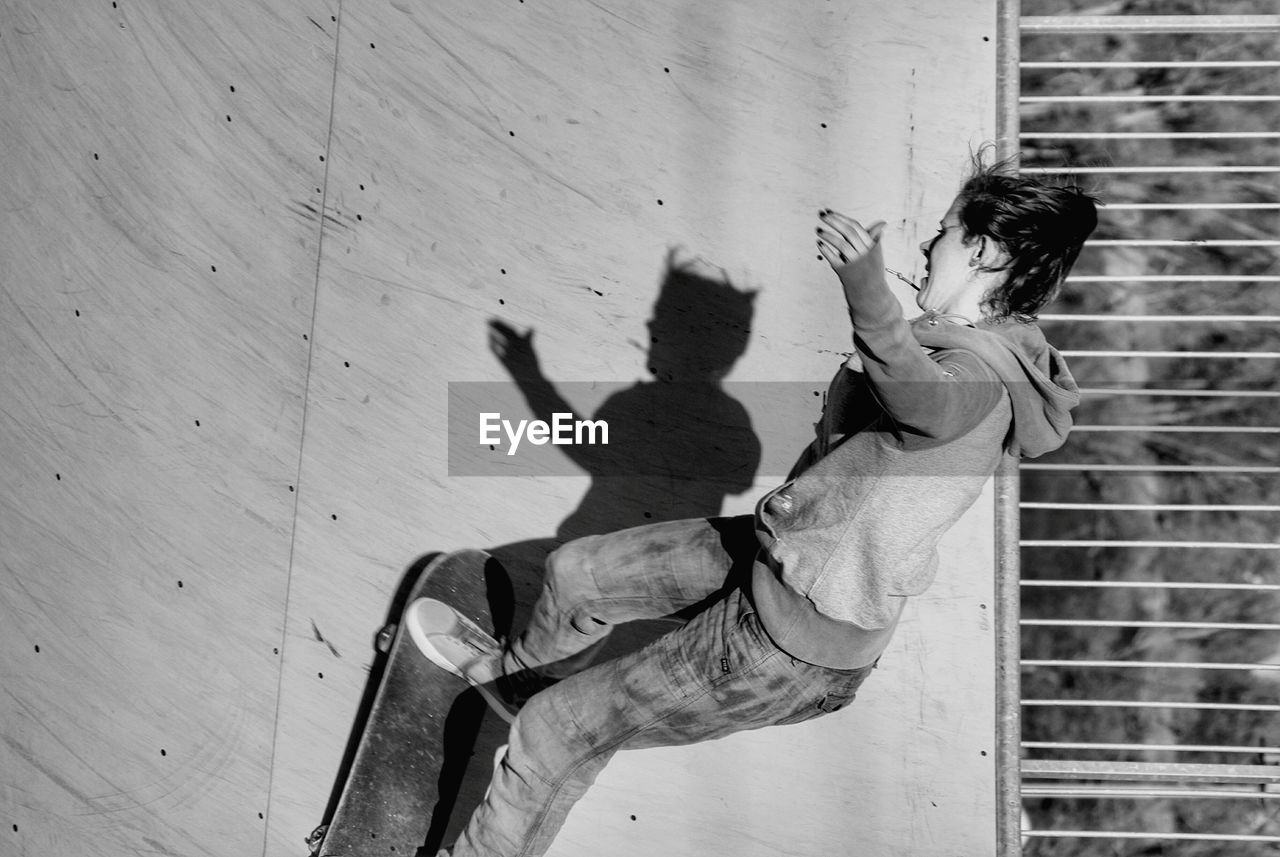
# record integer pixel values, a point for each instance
(843, 693)
(741, 646)
(838, 694)
(826, 704)
(811, 708)
(836, 700)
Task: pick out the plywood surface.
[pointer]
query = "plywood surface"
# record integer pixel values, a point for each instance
(295, 225)
(156, 278)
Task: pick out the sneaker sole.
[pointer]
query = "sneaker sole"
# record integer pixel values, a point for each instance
(437, 614)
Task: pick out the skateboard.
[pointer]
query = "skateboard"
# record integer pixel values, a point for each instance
(425, 751)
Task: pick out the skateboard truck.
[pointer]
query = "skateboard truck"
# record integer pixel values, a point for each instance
(316, 839)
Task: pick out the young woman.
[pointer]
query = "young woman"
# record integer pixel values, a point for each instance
(789, 609)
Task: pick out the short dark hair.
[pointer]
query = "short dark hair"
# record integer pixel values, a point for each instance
(1041, 225)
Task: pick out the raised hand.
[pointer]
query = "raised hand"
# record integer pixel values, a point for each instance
(843, 240)
(514, 349)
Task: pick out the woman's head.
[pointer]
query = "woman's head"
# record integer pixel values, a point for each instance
(1040, 227)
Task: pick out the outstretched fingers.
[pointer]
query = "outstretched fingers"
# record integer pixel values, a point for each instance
(842, 239)
(505, 340)
(834, 256)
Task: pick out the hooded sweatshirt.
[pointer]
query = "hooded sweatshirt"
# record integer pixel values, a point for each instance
(905, 445)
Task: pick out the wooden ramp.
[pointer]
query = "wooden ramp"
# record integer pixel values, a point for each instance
(248, 250)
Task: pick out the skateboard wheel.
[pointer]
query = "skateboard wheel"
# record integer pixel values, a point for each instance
(316, 839)
(385, 637)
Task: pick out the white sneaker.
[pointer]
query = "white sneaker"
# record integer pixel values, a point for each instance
(456, 644)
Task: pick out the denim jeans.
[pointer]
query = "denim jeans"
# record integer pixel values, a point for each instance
(716, 674)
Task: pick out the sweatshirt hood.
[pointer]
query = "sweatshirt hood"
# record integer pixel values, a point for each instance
(1039, 383)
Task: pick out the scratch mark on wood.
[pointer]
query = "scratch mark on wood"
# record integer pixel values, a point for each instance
(614, 14)
(320, 638)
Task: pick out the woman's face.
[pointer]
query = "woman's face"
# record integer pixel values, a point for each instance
(948, 274)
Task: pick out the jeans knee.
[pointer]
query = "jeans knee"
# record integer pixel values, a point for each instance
(569, 574)
(555, 748)
(570, 581)
(568, 561)
(542, 740)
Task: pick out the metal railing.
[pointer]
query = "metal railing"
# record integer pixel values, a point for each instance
(1063, 777)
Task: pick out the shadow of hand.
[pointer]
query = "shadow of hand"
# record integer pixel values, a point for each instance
(514, 350)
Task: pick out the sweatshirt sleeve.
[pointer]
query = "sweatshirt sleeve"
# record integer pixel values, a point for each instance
(937, 396)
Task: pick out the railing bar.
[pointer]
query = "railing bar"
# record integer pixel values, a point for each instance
(1149, 584)
(1188, 837)
(1147, 99)
(1166, 429)
(1139, 623)
(1161, 170)
(1098, 792)
(1176, 393)
(1183, 242)
(1007, 603)
(1125, 703)
(1041, 64)
(1206, 355)
(1149, 665)
(1178, 748)
(1054, 134)
(1175, 278)
(1156, 468)
(1102, 24)
(1150, 771)
(1152, 507)
(1145, 543)
(1083, 316)
(1191, 206)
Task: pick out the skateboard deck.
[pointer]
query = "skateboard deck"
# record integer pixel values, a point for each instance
(425, 753)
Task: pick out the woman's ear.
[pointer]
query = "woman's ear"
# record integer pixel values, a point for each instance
(990, 254)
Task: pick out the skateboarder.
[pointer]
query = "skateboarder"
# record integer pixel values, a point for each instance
(789, 609)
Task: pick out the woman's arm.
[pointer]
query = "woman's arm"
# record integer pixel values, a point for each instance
(938, 396)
